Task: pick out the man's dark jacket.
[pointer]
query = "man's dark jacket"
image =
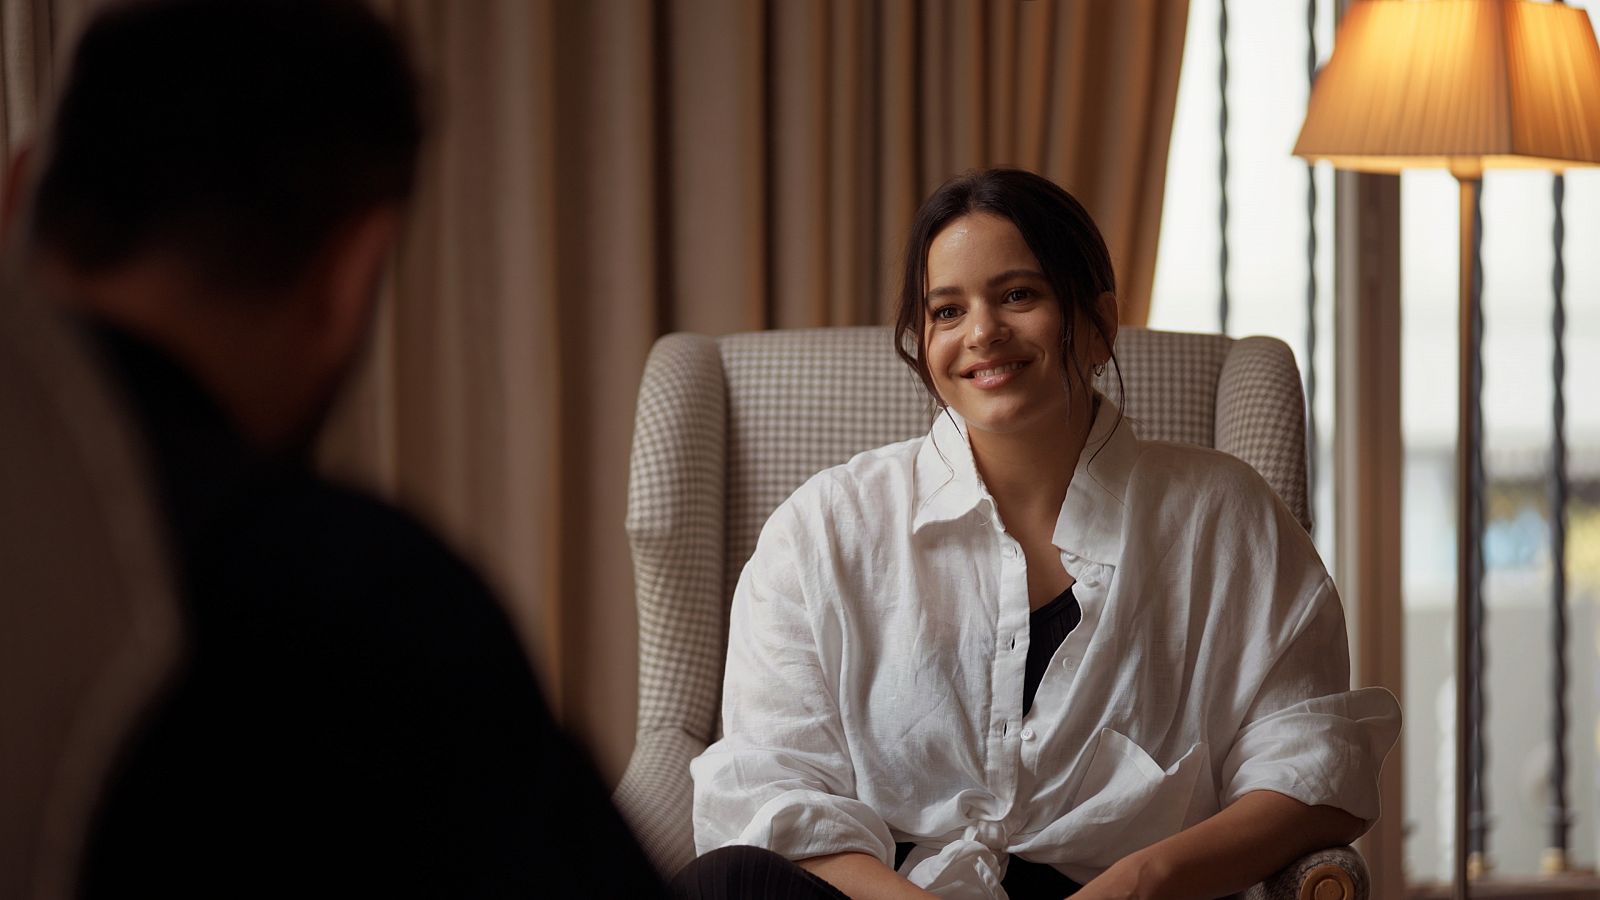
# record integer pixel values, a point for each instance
(354, 715)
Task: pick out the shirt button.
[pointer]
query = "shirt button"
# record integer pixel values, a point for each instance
(1011, 552)
(1067, 663)
(1027, 734)
(999, 729)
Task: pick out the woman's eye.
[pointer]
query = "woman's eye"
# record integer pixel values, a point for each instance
(945, 312)
(1017, 295)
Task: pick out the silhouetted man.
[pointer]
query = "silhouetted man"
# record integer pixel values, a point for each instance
(217, 199)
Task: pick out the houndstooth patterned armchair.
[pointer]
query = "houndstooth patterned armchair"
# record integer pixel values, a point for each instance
(728, 427)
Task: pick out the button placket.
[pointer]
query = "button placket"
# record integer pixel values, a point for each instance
(1013, 590)
(1010, 639)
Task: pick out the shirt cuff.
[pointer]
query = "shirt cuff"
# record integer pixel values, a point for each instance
(799, 824)
(1322, 752)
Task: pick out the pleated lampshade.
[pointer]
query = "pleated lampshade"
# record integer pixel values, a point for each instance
(1458, 84)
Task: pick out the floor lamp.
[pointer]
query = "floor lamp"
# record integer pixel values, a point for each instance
(1463, 85)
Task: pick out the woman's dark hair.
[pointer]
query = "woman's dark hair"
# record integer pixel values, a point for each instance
(1056, 227)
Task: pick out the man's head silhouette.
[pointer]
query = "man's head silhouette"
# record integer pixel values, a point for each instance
(225, 180)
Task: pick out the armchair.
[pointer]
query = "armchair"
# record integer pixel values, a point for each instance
(727, 427)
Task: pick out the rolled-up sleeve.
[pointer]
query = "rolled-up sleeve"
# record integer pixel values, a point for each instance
(781, 778)
(1306, 734)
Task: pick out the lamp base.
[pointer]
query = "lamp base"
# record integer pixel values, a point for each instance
(1477, 866)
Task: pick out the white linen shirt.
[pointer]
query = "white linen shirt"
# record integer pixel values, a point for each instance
(876, 655)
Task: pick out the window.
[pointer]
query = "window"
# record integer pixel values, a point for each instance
(1517, 258)
(1267, 223)
(1267, 278)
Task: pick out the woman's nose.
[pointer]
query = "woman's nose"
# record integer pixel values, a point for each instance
(984, 327)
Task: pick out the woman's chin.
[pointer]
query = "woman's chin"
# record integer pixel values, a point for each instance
(999, 421)
(1013, 416)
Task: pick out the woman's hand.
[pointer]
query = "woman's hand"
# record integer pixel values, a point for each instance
(1257, 835)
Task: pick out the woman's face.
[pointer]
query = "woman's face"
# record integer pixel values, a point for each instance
(992, 339)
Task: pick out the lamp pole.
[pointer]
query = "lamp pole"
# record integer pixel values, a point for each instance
(1554, 861)
(1471, 825)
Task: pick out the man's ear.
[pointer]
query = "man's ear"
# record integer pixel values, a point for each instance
(14, 193)
(346, 280)
(1105, 307)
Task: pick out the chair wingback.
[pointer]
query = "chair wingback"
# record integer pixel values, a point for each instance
(1241, 396)
(1261, 418)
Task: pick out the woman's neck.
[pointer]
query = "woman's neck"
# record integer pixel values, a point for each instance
(1028, 472)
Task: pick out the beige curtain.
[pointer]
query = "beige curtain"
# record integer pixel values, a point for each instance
(605, 172)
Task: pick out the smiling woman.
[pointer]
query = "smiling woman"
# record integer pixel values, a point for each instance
(995, 342)
(1029, 651)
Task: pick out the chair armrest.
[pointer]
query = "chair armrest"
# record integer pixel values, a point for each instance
(1338, 873)
(656, 797)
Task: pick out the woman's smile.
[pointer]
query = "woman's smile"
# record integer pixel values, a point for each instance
(989, 376)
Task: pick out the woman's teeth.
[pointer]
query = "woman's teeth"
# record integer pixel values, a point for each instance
(997, 370)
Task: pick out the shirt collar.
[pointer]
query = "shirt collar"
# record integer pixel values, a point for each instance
(1090, 524)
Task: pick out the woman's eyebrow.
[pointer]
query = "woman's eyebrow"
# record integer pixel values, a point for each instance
(996, 281)
(1009, 274)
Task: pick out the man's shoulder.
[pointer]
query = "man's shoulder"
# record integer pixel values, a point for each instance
(325, 521)
(315, 553)
(328, 516)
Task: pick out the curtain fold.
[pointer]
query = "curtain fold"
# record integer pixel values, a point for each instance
(602, 172)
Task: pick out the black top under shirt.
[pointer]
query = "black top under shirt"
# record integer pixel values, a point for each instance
(1048, 626)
